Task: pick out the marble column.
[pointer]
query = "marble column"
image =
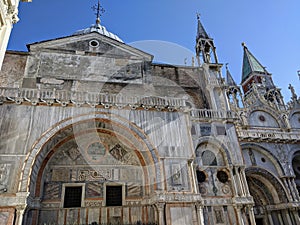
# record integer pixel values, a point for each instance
(295, 189)
(292, 189)
(20, 209)
(251, 215)
(233, 182)
(286, 184)
(239, 183)
(270, 218)
(200, 216)
(245, 182)
(295, 215)
(239, 215)
(193, 176)
(287, 217)
(161, 213)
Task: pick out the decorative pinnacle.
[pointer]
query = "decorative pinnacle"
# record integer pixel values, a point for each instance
(198, 16)
(244, 44)
(226, 65)
(99, 11)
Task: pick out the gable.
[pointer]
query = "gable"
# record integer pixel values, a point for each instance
(91, 43)
(87, 57)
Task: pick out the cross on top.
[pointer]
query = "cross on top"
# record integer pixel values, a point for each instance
(99, 11)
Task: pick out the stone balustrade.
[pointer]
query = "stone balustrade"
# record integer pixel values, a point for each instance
(208, 114)
(64, 97)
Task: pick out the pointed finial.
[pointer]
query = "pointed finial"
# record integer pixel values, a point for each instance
(294, 95)
(99, 11)
(198, 16)
(226, 65)
(244, 44)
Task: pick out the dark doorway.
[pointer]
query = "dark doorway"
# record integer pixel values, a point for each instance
(113, 195)
(72, 197)
(259, 221)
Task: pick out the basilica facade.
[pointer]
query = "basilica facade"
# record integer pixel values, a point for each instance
(94, 132)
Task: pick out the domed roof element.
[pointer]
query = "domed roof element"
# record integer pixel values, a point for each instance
(99, 29)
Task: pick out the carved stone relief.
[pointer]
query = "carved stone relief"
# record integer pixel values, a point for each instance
(176, 174)
(95, 175)
(73, 153)
(119, 153)
(219, 215)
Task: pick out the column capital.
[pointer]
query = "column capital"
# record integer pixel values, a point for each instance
(160, 205)
(20, 209)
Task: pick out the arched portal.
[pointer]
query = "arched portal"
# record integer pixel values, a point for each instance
(269, 197)
(90, 164)
(296, 168)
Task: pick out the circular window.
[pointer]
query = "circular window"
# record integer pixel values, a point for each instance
(201, 176)
(263, 159)
(94, 43)
(222, 176)
(95, 151)
(262, 118)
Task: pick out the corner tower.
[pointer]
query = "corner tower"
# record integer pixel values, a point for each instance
(205, 48)
(257, 82)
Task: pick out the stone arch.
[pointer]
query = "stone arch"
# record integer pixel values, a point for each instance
(275, 192)
(295, 162)
(280, 195)
(294, 119)
(212, 168)
(218, 145)
(267, 153)
(39, 153)
(265, 118)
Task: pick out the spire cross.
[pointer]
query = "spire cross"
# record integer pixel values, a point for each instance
(198, 16)
(99, 11)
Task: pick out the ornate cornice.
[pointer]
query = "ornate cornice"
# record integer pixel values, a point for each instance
(268, 135)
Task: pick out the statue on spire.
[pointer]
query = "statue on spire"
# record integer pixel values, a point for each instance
(99, 11)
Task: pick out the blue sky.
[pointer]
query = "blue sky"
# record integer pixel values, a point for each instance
(270, 28)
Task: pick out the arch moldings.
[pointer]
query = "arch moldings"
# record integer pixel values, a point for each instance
(270, 111)
(39, 150)
(218, 144)
(269, 154)
(279, 187)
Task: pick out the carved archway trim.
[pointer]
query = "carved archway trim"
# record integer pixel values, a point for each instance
(257, 172)
(270, 111)
(84, 132)
(268, 153)
(219, 145)
(38, 153)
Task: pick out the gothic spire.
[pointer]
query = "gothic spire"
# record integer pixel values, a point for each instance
(205, 48)
(251, 64)
(229, 80)
(201, 31)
